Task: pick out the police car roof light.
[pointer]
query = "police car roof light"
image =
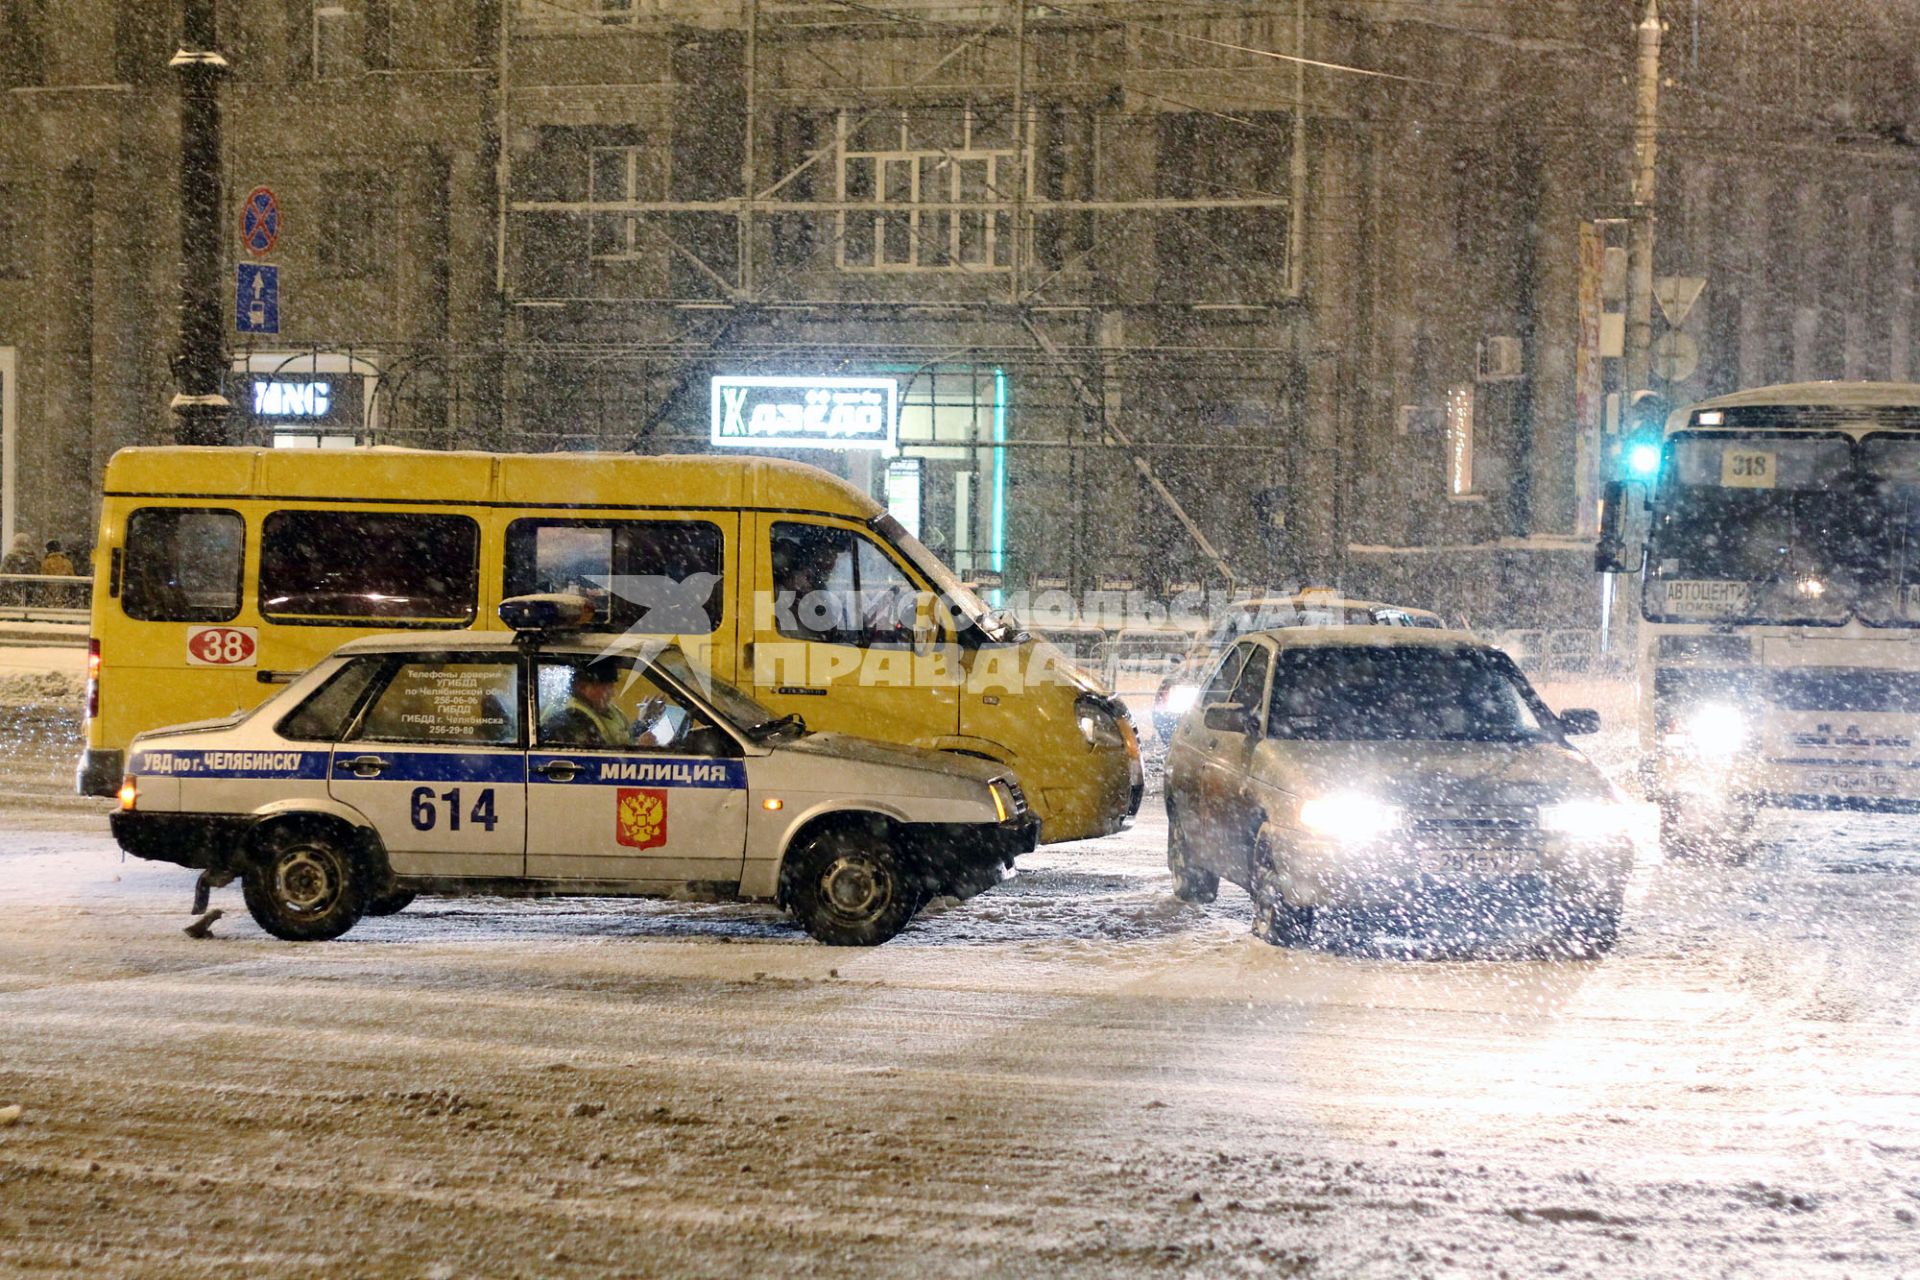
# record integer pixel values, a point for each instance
(550, 612)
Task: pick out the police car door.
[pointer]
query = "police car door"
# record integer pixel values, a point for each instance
(437, 762)
(643, 791)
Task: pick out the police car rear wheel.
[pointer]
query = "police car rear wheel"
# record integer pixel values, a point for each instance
(847, 888)
(304, 886)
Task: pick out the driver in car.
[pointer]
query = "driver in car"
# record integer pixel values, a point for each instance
(591, 718)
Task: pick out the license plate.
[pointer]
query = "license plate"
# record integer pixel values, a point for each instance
(1477, 862)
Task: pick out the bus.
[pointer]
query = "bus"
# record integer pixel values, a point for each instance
(220, 573)
(1776, 535)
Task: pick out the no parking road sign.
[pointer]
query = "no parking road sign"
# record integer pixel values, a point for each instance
(256, 303)
(260, 222)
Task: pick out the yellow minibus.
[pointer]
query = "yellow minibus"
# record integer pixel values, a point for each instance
(220, 573)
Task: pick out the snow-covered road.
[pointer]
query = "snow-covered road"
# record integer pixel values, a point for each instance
(1073, 1074)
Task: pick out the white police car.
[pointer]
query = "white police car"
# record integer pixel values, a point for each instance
(547, 763)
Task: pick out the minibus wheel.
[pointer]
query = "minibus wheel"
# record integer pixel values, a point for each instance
(847, 886)
(303, 883)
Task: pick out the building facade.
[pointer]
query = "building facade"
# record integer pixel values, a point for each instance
(1171, 292)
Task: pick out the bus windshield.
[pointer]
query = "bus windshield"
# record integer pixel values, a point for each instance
(968, 608)
(1778, 528)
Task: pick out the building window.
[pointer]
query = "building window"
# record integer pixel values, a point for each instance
(13, 234)
(922, 168)
(1227, 239)
(622, 175)
(578, 14)
(23, 52)
(338, 41)
(350, 225)
(1460, 440)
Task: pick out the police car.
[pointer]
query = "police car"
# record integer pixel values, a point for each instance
(553, 762)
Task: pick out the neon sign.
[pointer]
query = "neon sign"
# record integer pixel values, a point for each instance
(805, 413)
(292, 399)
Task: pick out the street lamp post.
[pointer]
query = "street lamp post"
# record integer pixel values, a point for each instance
(1646, 108)
(200, 410)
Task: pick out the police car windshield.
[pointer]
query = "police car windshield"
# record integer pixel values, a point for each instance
(738, 708)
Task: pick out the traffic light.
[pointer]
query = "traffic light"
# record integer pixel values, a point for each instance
(1642, 428)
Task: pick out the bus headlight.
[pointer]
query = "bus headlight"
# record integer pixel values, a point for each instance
(1585, 819)
(1715, 730)
(1348, 816)
(1097, 722)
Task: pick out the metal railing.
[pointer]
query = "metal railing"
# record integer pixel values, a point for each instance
(44, 597)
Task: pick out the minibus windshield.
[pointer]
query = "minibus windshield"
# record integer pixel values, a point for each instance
(997, 626)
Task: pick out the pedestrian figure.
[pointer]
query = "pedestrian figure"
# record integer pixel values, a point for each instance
(19, 560)
(20, 557)
(56, 562)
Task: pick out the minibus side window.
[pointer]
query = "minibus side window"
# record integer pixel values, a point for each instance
(834, 586)
(182, 564)
(324, 566)
(647, 577)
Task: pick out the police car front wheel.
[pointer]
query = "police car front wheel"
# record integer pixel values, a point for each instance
(847, 887)
(304, 884)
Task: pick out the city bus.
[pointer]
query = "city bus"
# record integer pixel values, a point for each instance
(221, 573)
(1776, 534)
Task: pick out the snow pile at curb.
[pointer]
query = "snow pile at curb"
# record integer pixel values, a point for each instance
(42, 677)
(41, 689)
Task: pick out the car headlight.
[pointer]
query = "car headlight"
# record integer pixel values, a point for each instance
(1179, 700)
(1003, 806)
(1348, 816)
(1585, 819)
(1714, 729)
(1097, 722)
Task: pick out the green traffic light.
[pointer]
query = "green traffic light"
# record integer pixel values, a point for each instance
(1643, 459)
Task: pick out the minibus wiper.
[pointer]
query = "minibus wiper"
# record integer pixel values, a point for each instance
(768, 728)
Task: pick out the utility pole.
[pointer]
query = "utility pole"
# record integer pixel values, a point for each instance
(1646, 110)
(200, 410)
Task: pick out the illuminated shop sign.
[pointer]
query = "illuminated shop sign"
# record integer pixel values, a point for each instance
(292, 399)
(805, 413)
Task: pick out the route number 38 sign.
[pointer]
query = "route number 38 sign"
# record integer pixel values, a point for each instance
(222, 646)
